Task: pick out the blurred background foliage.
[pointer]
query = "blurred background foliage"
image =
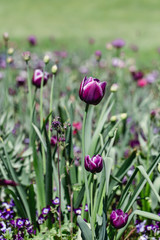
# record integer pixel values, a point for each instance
(72, 22)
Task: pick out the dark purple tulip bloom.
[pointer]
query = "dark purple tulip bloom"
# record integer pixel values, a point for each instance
(118, 218)
(4, 182)
(32, 40)
(38, 77)
(137, 75)
(94, 164)
(118, 43)
(92, 90)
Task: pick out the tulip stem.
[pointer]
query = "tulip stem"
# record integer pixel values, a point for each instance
(84, 171)
(29, 93)
(50, 106)
(41, 100)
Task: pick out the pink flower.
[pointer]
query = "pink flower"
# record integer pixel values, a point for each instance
(142, 82)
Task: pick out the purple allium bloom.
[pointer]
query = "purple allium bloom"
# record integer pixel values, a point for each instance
(77, 211)
(83, 70)
(3, 227)
(92, 90)
(141, 226)
(98, 55)
(94, 164)
(118, 43)
(55, 201)
(46, 210)
(20, 222)
(152, 77)
(118, 218)
(32, 40)
(38, 77)
(53, 141)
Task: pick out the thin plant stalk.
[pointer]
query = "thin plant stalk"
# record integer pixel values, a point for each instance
(59, 183)
(29, 93)
(41, 100)
(51, 105)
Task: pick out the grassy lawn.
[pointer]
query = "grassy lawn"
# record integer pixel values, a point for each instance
(73, 21)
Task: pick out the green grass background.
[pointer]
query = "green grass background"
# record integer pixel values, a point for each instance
(73, 21)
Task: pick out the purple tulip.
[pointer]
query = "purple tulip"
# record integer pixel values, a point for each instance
(137, 75)
(118, 43)
(94, 164)
(118, 218)
(4, 182)
(38, 76)
(92, 90)
(98, 55)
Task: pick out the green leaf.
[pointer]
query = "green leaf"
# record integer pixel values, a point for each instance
(154, 200)
(85, 230)
(40, 136)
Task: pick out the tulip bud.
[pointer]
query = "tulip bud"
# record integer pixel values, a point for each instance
(9, 60)
(114, 87)
(5, 36)
(38, 77)
(113, 119)
(92, 90)
(159, 167)
(46, 59)
(54, 69)
(26, 56)
(118, 218)
(94, 164)
(123, 116)
(10, 51)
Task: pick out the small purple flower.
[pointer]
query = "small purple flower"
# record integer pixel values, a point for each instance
(118, 43)
(45, 210)
(56, 201)
(77, 211)
(86, 208)
(118, 218)
(94, 164)
(92, 90)
(20, 222)
(68, 208)
(141, 226)
(41, 219)
(32, 40)
(3, 227)
(38, 77)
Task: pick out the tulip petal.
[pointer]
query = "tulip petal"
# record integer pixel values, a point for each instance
(92, 93)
